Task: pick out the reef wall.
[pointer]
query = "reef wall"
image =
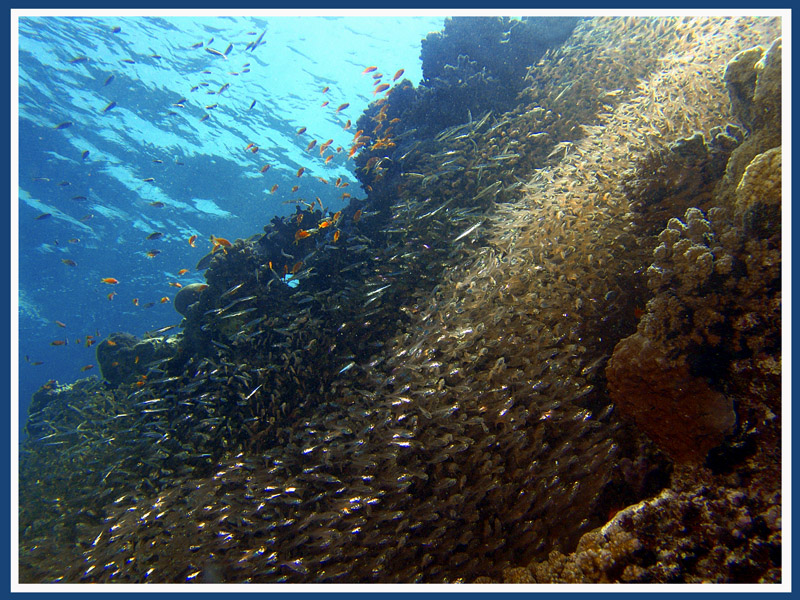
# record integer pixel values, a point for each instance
(450, 393)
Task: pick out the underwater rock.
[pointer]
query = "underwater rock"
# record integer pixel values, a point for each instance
(476, 64)
(697, 535)
(753, 80)
(188, 295)
(681, 413)
(758, 196)
(122, 356)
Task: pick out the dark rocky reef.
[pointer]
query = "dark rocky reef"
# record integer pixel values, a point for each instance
(420, 389)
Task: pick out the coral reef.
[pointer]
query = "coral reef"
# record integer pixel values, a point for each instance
(698, 535)
(425, 398)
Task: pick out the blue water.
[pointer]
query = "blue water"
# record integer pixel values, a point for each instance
(206, 179)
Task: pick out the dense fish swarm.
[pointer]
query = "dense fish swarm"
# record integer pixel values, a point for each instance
(430, 403)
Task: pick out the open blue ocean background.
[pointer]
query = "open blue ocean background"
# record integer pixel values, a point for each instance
(135, 126)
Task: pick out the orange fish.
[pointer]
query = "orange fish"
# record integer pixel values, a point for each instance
(347, 125)
(324, 104)
(87, 367)
(115, 363)
(398, 75)
(382, 87)
(301, 234)
(217, 244)
(369, 70)
(136, 362)
(300, 171)
(254, 149)
(301, 131)
(324, 224)
(250, 145)
(183, 271)
(264, 168)
(297, 266)
(136, 302)
(273, 188)
(152, 253)
(342, 107)
(59, 343)
(325, 89)
(111, 342)
(357, 135)
(357, 216)
(327, 160)
(345, 195)
(377, 75)
(111, 295)
(338, 181)
(175, 284)
(339, 148)
(192, 240)
(323, 180)
(295, 188)
(352, 151)
(300, 218)
(337, 216)
(90, 342)
(336, 236)
(109, 280)
(60, 324)
(311, 145)
(164, 300)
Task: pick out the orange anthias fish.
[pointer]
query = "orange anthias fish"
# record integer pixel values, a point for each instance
(324, 104)
(273, 188)
(87, 367)
(325, 89)
(59, 343)
(327, 160)
(192, 240)
(369, 70)
(342, 107)
(382, 87)
(164, 300)
(250, 145)
(300, 171)
(347, 125)
(301, 131)
(109, 280)
(357, 216)
(265, 168)
(337, 216)
(301, 234)
(295, 188)
(111, 295)
(175, 284)
(311, 144)
(183, 271)
(218, 243)
(336, 236)
(398, 75)
(297, 266)
(324, 224)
